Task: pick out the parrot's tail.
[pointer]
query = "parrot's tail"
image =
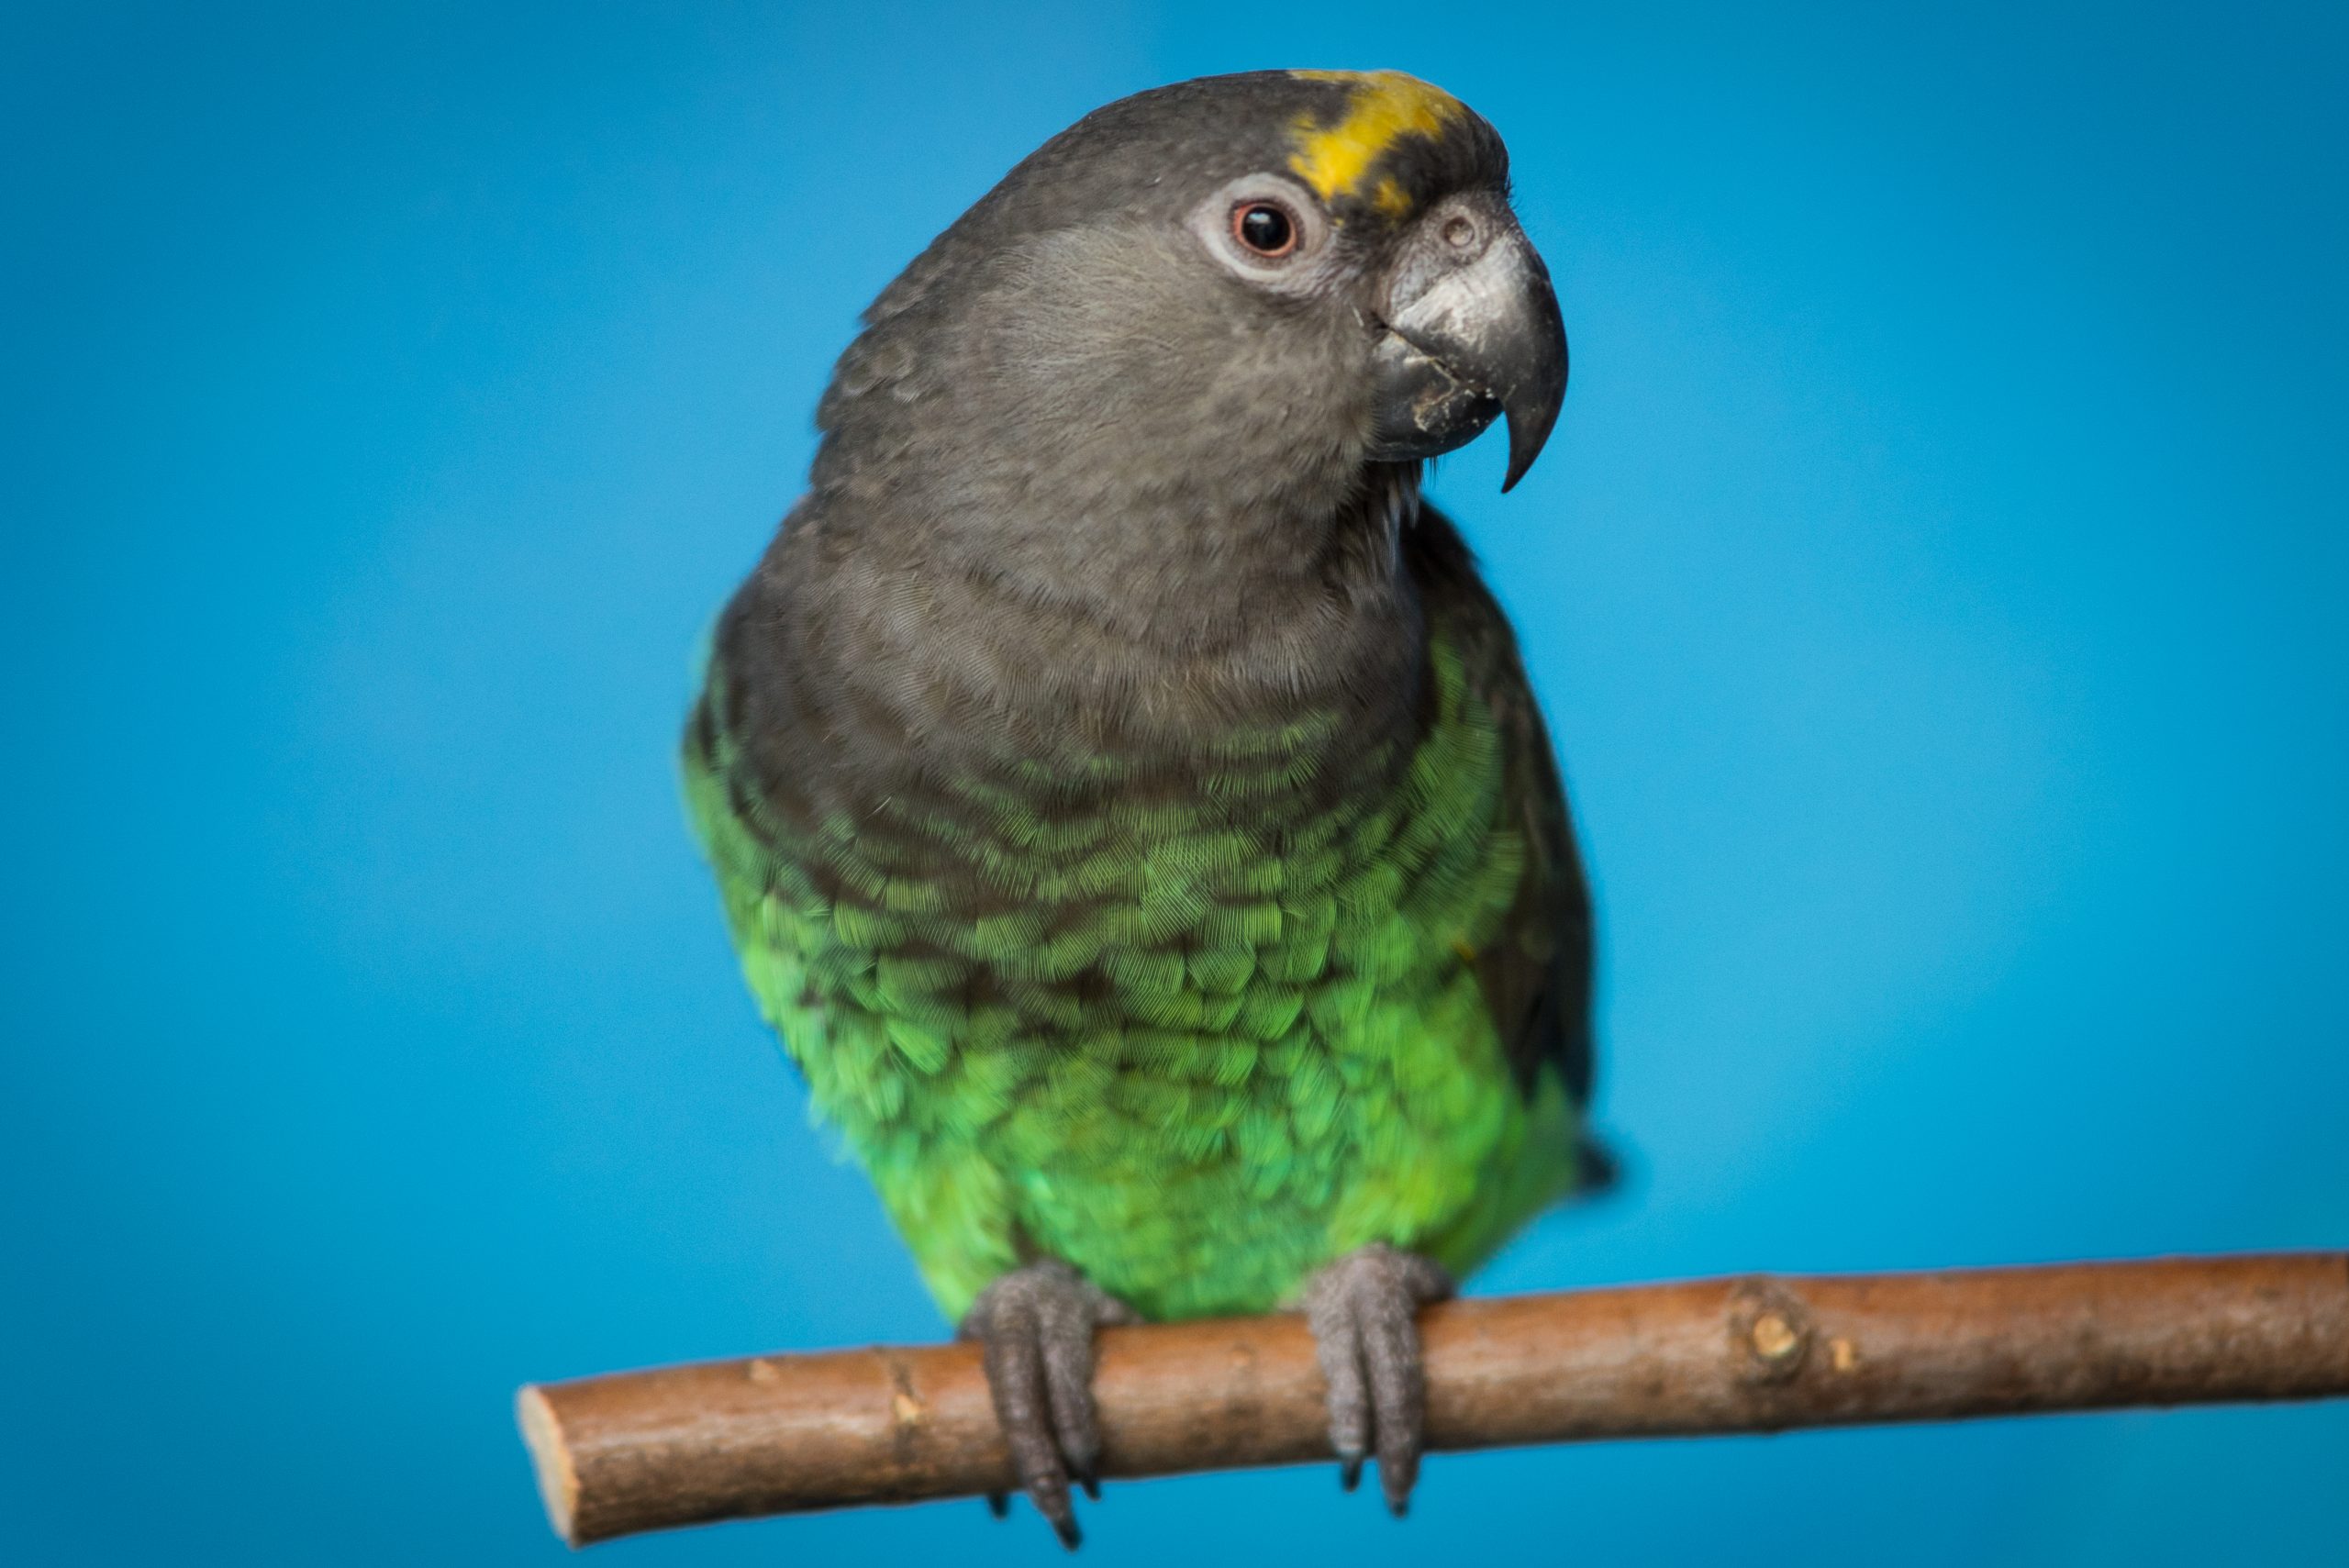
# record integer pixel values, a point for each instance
(1596, 1169)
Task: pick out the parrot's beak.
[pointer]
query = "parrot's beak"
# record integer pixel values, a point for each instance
(1471, 333)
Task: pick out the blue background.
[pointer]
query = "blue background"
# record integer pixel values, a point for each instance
(1936, 582)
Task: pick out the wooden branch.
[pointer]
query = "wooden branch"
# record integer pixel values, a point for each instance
(788, 1433)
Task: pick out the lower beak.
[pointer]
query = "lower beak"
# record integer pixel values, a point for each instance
(1470, 336)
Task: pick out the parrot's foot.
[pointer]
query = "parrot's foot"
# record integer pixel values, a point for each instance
(1362, 1310)
(1036, 1326)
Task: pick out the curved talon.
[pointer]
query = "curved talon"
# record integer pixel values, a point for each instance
(1363, 1311)
(1035, 1327)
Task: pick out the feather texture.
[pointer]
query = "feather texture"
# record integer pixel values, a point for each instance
(1196, 1023)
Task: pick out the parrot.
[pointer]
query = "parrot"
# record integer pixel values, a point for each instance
(1126, 798)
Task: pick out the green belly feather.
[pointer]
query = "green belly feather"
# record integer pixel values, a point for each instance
(1196, 1047)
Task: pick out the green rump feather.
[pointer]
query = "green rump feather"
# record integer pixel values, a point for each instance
(1196, 1043)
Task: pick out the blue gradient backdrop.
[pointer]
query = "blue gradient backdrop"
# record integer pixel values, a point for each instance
(1937, 582)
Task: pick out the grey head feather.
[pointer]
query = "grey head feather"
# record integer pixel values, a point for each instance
(1077, 483)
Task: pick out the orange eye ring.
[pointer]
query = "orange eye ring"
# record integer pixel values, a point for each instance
(1264, 229)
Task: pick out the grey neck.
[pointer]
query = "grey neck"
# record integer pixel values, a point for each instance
(1147, 633)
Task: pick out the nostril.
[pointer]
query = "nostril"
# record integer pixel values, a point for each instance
(1459, 233)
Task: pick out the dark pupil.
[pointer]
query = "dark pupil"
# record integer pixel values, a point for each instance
(1264, 229)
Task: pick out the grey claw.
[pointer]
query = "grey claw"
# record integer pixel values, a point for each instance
(1362, 1310)
(999, 1504)
(1035, 1327)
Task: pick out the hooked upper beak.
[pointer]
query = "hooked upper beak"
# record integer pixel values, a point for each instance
(1472, 334)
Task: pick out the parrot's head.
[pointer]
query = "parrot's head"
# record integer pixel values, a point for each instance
(1230, 306)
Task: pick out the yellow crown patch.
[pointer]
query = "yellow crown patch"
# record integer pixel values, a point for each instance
(1386, 105)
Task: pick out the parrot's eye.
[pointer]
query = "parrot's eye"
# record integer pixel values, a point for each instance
(1267, 230)
(1264, 229)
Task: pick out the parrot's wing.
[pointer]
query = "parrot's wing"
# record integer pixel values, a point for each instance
(1536, 971)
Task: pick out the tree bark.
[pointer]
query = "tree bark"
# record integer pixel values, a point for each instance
(788, 1434)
